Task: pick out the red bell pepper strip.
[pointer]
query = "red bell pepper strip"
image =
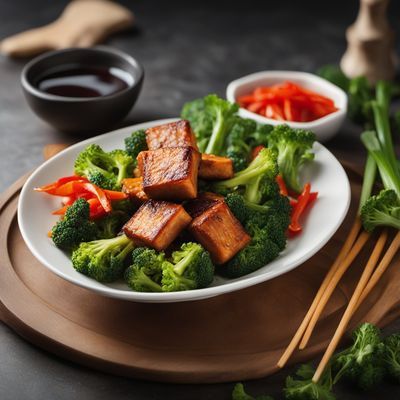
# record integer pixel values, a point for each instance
(115, 195)
(282, 185)
(51, 186)
(99, 193)
(302, 202)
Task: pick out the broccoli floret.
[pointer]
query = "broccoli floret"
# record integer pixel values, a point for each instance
(123, 165)
(391, 356)
(137, 279)
(261, 170)
(260, 251)
(211, 119)
(136, 143)
(106, 170)
(110, 225)
(104, 259)
(144, 275)
(382, 209)
(334, 74)
(75, 227)
(303, 388)
(360, 96)
(239, 393)
(259, 136)
(362, 362)
(236, 147)
(200, 121)
(294, 150)
(275, 210)
(189, 268)
(359, 91)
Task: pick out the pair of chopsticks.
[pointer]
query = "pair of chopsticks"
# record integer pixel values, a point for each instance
(369, 278)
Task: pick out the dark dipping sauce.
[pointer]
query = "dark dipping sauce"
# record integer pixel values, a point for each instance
(85, 82)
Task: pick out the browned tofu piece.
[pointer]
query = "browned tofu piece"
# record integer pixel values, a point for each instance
(133, 187)
(215, 167)
(175, 134)
(170, 173)
(157, 224)
(219, 232)
(202, 203)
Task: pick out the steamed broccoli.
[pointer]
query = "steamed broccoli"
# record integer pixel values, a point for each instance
(106, 170)
(239, 393)
(136, 143)
(189, 268)
(104, 259)
(381, 210)
(359, 92)
(275, 210)
(236, 147)
(145, 273)
(211, 119)
(259, 173)
(259, 252)
(294, 149)
(334, 74)
(111, 224)
(391, 356)
(259, 136)
(303, 387)
(362, 362)
(200, 121)
(75, 227)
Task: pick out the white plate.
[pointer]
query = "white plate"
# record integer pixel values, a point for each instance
(35, 220)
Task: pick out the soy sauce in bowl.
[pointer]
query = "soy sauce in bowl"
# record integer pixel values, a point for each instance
(79, 81)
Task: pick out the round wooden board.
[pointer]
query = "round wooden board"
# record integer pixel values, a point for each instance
(232, 337)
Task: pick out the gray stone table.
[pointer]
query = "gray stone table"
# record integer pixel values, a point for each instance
(188, 49)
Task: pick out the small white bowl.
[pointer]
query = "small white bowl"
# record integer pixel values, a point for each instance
(325, 127)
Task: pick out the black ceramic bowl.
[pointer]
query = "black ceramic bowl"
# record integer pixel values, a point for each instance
(81, 114)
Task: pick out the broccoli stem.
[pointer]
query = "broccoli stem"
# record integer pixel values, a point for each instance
(368, 181)
(181, 266)
(218, 135)
(252, 193)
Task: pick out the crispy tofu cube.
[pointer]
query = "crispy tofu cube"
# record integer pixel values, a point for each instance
(175, 134)
(202, 203)
(157, 224)
(170, 173)
(133, 187)
(219, 232)
(215, 167)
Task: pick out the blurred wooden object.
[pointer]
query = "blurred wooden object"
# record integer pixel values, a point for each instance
(370, 49)
(83, 23)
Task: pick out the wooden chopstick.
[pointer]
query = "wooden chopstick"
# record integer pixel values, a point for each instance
(353, 304)
(344, 265)
(355, 229)
(387, 258)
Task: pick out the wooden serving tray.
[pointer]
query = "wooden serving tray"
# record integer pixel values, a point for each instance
(236, 336)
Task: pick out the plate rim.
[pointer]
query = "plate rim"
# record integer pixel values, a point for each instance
(192, 295)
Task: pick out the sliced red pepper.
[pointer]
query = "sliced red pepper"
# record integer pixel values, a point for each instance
(115, 195)
(282, 185)
(287, 110)
(302, 202)
(51, 186)
(100, 194)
